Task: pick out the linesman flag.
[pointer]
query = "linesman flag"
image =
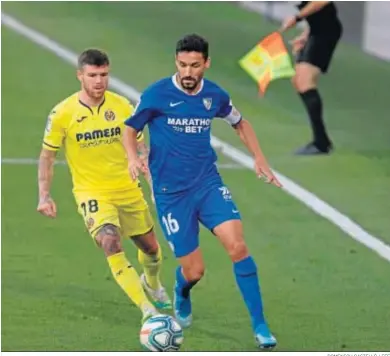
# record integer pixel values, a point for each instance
(267, 61)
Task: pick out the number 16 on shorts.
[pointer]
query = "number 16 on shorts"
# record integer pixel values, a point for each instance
(181, 232)
(172, 228)
(171, 225)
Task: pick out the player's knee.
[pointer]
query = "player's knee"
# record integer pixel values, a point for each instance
(151, 249)
(238, 251)
(194, 273)
(152, 246)
(111, 245)
(147, 243)
(108, 239)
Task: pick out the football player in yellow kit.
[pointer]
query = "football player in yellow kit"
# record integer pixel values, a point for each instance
(89, 126)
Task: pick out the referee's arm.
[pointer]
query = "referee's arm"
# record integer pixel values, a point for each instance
(311, 8)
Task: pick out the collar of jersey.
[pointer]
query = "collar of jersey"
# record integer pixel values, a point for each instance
(90, 109)
(181, 89)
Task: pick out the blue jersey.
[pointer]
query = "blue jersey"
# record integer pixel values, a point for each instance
(179, 124)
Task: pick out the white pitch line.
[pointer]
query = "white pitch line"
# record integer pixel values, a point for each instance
(34, 161)
(309, 199)
(25, 161)
(230, 166)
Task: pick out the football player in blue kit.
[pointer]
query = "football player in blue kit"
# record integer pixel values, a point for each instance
(187, 186)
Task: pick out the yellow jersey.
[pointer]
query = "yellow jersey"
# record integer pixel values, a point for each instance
(92, 141)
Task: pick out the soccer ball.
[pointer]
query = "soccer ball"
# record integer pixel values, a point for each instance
(161, 333)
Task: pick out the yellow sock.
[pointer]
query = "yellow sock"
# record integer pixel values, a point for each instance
(127, 277)
(152, 267)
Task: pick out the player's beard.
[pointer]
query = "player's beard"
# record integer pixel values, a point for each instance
(191, 84)
(95, 94)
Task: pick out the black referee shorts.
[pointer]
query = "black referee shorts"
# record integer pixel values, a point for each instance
(319, 50)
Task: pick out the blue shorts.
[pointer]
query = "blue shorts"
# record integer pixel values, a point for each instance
(180, 213)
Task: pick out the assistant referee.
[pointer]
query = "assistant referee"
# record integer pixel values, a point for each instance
(314, 50)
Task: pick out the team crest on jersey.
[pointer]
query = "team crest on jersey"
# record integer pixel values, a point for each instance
(90, 223)
(109, 115)
(207, 103)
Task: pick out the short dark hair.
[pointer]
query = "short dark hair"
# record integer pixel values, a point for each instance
(94, 57)
(193, 43)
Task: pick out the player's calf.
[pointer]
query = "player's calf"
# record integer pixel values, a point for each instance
(182, 298)
(230, 233)
(245, 272)
(150, 257)
(187, 276)
(192, 267)
(108, 238)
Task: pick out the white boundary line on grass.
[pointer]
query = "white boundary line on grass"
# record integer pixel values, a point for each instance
(309, 199)
(34, 161)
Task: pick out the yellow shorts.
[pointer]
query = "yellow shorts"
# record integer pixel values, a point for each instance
(128, 210)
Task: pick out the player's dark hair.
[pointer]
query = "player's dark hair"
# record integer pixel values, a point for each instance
(193, 43)
(94, 57)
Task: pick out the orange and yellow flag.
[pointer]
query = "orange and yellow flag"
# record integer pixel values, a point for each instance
(267, 61)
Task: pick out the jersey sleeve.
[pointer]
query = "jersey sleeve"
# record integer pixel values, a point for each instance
(140, 136)
(143, 114)
(129, 110)
(227, 111)
(55, 131)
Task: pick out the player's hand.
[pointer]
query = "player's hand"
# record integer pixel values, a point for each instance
(136, 167)
(264, 172)
(47, 207)
(288, 23)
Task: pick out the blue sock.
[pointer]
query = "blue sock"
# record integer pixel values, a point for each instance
(183, 286)
(247, 280)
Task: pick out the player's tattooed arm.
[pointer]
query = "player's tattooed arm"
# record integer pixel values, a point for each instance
(143, 153)
(46, 205)
(143, 150)
(45, 172)
(135, 164)
(130, 143)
